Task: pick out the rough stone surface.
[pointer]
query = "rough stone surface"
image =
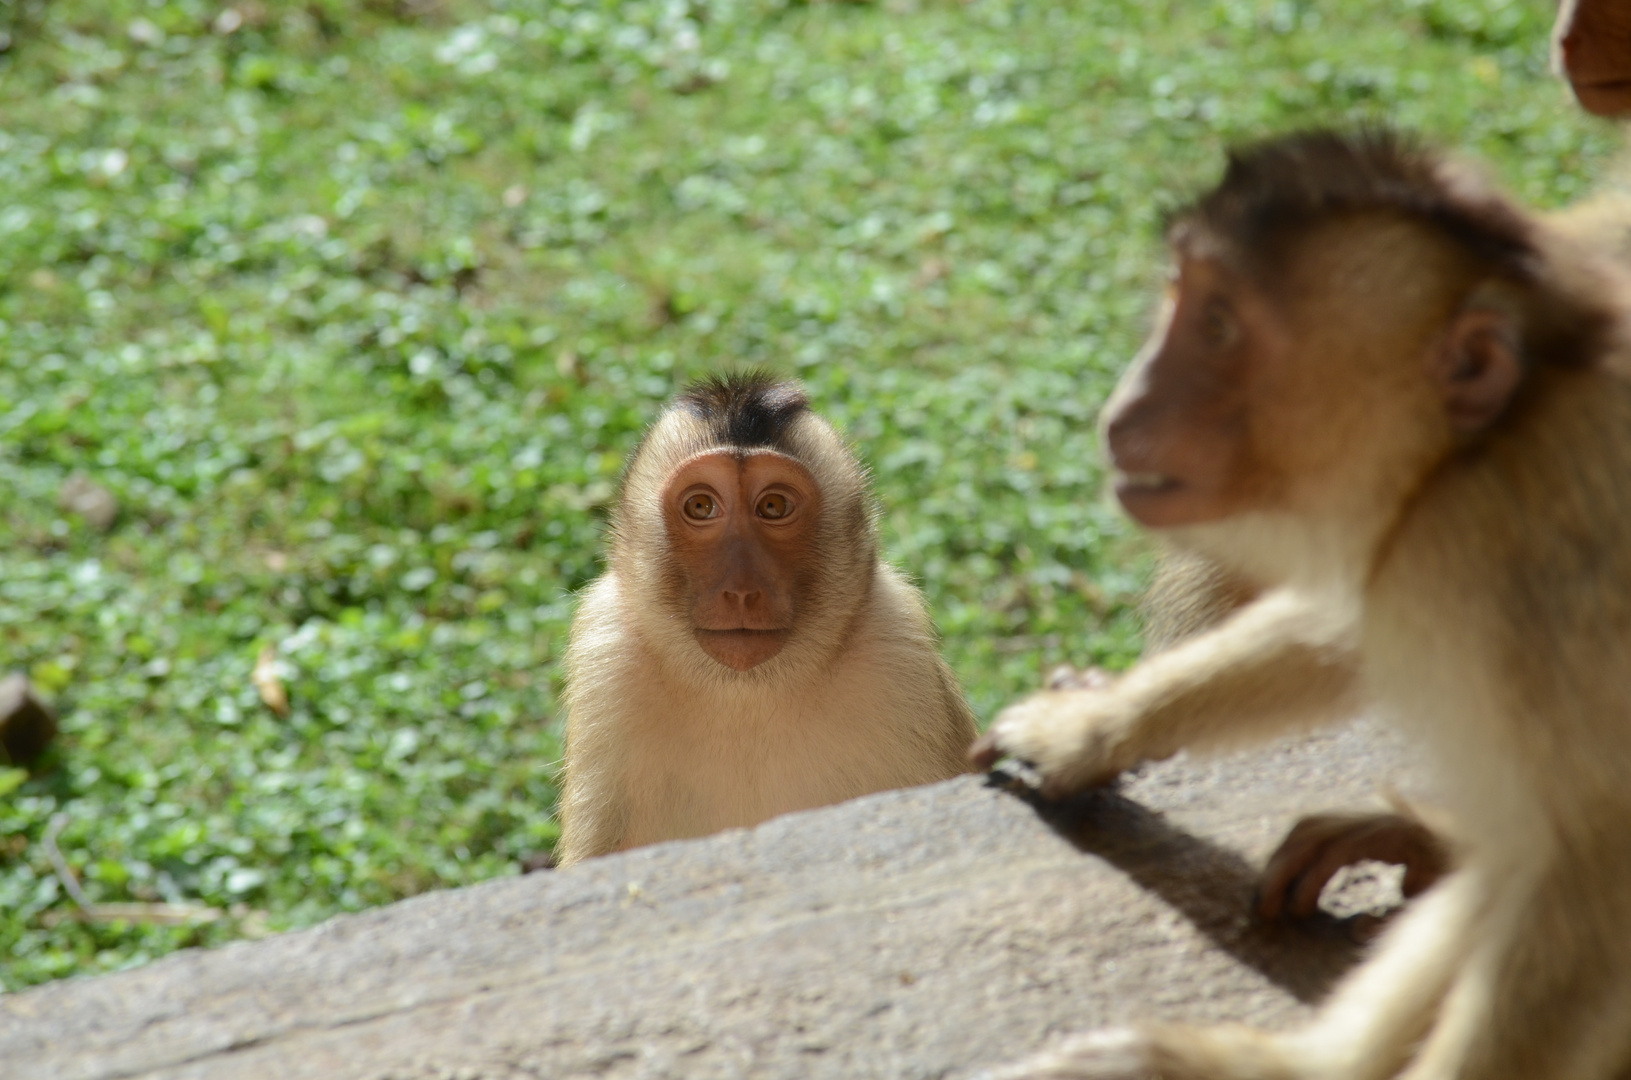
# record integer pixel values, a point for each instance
(912, 934)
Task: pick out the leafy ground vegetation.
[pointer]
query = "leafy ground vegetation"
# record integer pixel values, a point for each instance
(356, 307)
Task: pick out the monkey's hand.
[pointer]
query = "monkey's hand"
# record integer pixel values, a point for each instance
(1074, 739)
(1065, 677)
(1100, 1055)
(1320, 845)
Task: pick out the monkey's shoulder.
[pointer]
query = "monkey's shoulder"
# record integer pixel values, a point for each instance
(603, 640)
(894, 599)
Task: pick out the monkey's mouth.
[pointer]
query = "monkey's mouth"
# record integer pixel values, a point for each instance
(1145, 483)
(1152, 499)
(1605, 95)
(741, 649)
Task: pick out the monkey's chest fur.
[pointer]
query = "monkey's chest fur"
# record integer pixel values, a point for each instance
(726, 760)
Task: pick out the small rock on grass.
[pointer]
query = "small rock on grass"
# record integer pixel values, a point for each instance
(27, 724)
(96, 504)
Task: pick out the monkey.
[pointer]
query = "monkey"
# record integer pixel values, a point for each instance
(1591, 48)
(1190, 593)
(1591, 44)
(1401, 404)
(747, 652)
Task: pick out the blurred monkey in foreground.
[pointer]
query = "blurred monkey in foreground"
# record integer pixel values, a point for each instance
(1592, 50)
(746, 653)
(1190, 593)
(1401, 406)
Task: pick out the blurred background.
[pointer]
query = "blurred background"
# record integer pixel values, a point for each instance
(325, 327)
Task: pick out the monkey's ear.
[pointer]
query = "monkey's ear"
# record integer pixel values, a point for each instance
(1477, 367)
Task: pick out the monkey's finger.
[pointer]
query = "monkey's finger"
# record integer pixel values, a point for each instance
(1065, 677)
(1288, 863)
(1300, 849)
(1305, 894)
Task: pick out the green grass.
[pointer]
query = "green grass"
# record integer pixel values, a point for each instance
(359, 307)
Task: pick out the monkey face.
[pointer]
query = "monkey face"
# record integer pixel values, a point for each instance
(1256, 399)
(741, 530)
(1175, 429)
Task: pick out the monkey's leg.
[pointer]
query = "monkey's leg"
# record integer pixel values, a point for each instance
(1367, 1031)
(1279, 662)
(1546, 992)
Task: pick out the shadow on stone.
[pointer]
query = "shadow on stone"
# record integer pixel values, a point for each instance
(909, 935)
(1211, 886)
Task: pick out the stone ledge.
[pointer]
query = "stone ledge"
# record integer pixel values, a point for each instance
(913, 934)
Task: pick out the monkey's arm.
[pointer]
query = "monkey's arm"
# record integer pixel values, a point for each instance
(593, 808)
(594, 811)
(594, 820)
(1279, 662)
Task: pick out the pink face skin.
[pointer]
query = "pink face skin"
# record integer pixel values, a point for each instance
(1175, 428)
(741, 527)
(1594, 44)
(1197, 429)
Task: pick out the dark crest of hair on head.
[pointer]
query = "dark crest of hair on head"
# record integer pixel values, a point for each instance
(747, 408)
(1273, 189)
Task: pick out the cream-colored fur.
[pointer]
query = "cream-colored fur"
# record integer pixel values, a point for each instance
(654, 754)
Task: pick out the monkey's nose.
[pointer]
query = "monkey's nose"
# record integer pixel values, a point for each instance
(1124, 436)
(745, 601)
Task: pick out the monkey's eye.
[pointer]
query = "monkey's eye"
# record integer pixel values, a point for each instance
(774, 505)
(1218, 323)
(700, 506)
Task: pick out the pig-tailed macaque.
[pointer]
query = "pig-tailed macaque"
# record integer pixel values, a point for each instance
(1191, 593)
(1592, 46)
(1401, 405)
(1592, 49)
(746, 653)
